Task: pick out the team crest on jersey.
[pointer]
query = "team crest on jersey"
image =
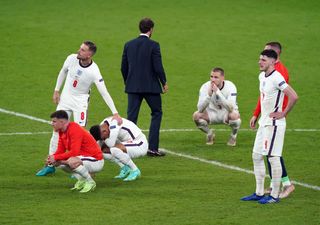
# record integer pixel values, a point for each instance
(79, 72)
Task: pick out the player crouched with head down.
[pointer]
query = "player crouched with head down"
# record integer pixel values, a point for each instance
(77, 152)
(120, 144)
(217, 105)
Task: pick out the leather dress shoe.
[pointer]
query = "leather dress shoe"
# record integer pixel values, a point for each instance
(155, 153)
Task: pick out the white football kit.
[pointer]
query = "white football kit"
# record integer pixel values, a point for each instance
(215, 105)
(270, 135)
(127, 134)
(76, 91)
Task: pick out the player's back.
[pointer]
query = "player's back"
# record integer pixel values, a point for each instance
(128, 131)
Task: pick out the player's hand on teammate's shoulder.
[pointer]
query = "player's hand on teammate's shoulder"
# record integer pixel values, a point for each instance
(118, 118)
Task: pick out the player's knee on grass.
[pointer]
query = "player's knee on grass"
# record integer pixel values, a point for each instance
(74, 162)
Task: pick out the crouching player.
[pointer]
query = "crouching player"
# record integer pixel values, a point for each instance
(217, 105)
(77, 152)
(120, 144)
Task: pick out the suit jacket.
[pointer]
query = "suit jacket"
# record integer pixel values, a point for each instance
(141, 66)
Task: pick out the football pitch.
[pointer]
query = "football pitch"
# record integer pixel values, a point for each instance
(194, 183)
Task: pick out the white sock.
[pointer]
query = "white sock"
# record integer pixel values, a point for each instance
(82, 171)
(123, 157)
(259, 172)
(235, 125)
(202, 125)
(77, 176)
(53, 143)
(111, 158)
(276, 171)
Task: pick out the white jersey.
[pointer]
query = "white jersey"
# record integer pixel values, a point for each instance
(228, 91)
(78, 82)
(126, 132)
(271, 97)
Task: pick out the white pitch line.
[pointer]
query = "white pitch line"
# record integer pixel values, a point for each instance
(230, 167)
(146, 130)
(24, 133)
(314, 187)
(24, 116)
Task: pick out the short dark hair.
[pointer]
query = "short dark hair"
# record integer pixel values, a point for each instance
(95, 132)
(270, 53)
(60, 114)
(92, 46)
(218, 69)
(145, 25)
(275, 44)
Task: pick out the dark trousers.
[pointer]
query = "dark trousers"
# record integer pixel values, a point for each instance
(155, 104)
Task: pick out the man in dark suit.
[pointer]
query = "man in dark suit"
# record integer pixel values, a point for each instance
(144, 78)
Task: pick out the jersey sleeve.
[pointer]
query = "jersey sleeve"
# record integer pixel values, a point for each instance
(232, 97)
(204, 98)
(63, 73)
(75, 138)
(257, 110)
(114, 132)
(61, 148)
(99, 82)
(279, 82)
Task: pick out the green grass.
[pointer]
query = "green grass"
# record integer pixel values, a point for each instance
(37, 36)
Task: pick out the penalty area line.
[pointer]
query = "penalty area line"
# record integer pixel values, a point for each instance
(231, 167)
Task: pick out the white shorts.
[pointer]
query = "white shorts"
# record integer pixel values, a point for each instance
(217, 117)
(269, 140)
(93, 165)
(136, 148)
(79, 115)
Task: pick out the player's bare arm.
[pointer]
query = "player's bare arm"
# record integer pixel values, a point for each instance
(292, 99)
(253, 122)
(56, 97)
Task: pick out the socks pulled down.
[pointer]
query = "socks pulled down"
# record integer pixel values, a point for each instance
(235, 126)
(203, 125)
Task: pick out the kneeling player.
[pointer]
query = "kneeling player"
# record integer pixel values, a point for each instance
(77, 152)
(217, 105)
(121, 143)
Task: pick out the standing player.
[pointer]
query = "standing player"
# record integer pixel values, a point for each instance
(120, 144)
(144, 78)
(77, 152)
(288, 187)
(217, 105)
(272, 124)
(79, 73)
